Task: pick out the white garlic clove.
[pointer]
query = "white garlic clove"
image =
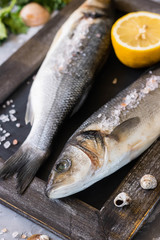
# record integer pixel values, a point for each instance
(33, 14)
(122, 199)
(148, 181)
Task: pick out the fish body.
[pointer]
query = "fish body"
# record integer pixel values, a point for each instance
(136, 5)
(76, 54)
(114, 135)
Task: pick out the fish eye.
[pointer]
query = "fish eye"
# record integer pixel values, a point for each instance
(62, 165)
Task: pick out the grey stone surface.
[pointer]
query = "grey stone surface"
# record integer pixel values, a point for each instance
(14, 42)
(14, 223)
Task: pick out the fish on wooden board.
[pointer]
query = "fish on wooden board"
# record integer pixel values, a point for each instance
(114, 135)
(78, 51)
(136, 5)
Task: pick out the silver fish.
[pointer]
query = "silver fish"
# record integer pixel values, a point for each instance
(136, 5)
(114, 135)
(79, 49)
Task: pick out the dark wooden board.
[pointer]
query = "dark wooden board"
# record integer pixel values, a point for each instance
(90, 214)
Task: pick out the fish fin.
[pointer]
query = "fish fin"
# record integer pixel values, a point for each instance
(25, 162)
(29, 117)
(124, 128)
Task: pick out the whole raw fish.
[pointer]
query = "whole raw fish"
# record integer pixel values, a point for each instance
(138, 5)
(114, 135)
(78, 51)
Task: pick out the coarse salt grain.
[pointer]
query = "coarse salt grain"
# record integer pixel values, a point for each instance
(12, 111)
(99, 115)
(4, 131)
(98, 35)
(4, 106)
(15, 142)
(7, 134)
(23, 236)
(4, 118)
(13, 105)
(15, 234)
(18, 125)
(115, 81)
(13, 118)
(8, 103)
(7, 144)
(4, 230)
(2, 139)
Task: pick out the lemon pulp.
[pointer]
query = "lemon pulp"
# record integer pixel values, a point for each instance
(136, 39)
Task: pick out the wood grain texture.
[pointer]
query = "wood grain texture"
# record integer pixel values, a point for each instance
(28, 58)
(123, 223)
(68, 218)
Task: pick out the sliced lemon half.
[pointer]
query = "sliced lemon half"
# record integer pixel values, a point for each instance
(136, 39)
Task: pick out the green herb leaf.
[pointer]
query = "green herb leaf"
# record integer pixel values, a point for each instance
(4, 3)
(22, 2)
(6, 10)
(15, 23)
(52, 4)
(3, 31)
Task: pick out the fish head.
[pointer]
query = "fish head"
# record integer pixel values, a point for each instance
(70, 174)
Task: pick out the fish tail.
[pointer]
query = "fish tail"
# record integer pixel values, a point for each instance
(25, 162)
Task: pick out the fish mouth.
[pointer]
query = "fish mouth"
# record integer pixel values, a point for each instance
(56, 192)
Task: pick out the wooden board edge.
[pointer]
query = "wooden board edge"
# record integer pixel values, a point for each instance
(143, 202)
